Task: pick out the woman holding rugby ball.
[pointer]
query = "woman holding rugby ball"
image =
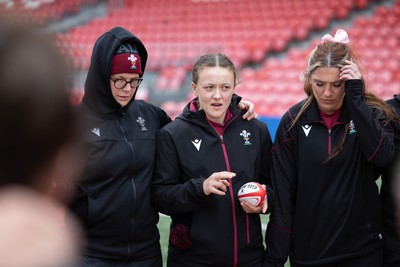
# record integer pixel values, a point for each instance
(203, 158)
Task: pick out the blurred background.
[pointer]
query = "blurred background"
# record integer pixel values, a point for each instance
(268, 40)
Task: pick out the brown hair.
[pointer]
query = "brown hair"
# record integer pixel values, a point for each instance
(212, 60)
(334, 54)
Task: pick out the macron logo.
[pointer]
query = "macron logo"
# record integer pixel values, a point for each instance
(96, 131)
(306, 129)
(197, 144)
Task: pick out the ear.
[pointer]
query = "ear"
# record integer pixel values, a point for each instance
(194, 89)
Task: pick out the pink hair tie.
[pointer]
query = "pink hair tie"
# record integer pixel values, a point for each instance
(340, 37)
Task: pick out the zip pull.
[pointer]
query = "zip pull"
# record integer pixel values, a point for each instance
(329, 141)
(221, 137)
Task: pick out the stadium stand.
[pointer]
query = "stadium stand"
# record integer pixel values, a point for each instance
(268, 40)
(178, 31)
(43, 11)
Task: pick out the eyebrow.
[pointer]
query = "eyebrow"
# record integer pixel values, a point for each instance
(211, 83)
(317, 80)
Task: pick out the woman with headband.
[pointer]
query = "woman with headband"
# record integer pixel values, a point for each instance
(327, 150)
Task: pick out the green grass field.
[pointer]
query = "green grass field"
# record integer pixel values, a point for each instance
(163, 226)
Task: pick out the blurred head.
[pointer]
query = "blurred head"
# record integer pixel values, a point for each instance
(36, 116)
(126, 72)
(213, 82)
(31, 234)
(321, 78)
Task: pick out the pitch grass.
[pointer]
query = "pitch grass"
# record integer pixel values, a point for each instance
(163, 226)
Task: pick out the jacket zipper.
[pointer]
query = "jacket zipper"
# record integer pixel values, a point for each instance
(134, 193)
(235, 236)
(231, 193)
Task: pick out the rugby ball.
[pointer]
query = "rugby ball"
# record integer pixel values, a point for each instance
(252, 192)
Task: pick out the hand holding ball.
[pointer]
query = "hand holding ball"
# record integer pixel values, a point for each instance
(252, 192)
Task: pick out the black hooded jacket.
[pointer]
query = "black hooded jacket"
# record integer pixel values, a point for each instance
(188, 151)
(113, 192)
(328, 211)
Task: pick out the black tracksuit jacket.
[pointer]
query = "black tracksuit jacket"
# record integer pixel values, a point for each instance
(222, 234)
(113, 193)
(389, 215)
(328, 211)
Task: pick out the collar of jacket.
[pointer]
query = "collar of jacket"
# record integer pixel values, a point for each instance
(200, 114)
(312, 114)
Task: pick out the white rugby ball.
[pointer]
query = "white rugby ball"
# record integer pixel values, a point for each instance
(252, 192)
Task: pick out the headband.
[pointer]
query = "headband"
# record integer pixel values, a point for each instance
(126, 59)
(340, 37)
(126, 63)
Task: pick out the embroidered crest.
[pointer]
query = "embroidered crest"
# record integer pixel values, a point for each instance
(246, 137)
(141, 122)
(352, 128)
(133, 59)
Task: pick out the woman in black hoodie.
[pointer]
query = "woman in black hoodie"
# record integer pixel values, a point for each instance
(203, 158)
(112, 199)
(113, 193)
(326, 156)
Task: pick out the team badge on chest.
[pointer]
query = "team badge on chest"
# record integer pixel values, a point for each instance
(352, 128)
(141, 122)
(246, 137)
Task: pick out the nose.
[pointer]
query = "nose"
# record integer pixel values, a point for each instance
(328, 90)
(127, 87)
(217, 93)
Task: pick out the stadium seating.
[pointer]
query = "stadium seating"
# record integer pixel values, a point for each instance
(261, 37)
(375, 40)
(42, 11)
(178, 31)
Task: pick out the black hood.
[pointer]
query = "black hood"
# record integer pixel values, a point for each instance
(98, 94)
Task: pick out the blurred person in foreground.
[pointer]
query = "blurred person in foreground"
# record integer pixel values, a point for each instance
(38, 149)
(203, 158)
(326, 156)
(390, 215)
(112, 197)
